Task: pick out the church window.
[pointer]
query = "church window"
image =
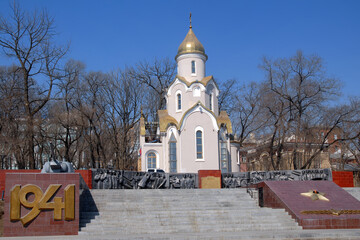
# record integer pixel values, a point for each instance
(151, 160)
(210, 96)
(178, 101)
(199, 144)
(238, 157)
(193, 67)
(224, 157)
(172, 154)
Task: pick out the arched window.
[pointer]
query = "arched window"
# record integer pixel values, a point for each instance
(193, 69)
(172, 153)
(210, 91)
(199, 144)
(178, 102)
(151, 160)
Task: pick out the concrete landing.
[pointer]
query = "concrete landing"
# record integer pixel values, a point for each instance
(312, 214)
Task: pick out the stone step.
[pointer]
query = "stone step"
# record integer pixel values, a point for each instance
(243, 235)
(186, 215)
(205, 217)
(238, 213)
(188, 228)
(199, 212)
(166, 199)
(124, 212)
(167, 208)
(190, 221)
(174, 201)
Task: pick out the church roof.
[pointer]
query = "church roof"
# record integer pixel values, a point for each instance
(223, 118)
(165, 119)
(191, 45)
(203, 81)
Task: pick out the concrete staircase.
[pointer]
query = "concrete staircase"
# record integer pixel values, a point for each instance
(187, 214)
(171, 211)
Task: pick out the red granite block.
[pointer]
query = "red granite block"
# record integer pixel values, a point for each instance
(42, 177)
(43, 224)
(72, 176)
(56, 176)
(27, 177)
(355, 223)
(287, 195)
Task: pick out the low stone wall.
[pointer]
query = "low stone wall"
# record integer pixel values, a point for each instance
(244, 179)
(120, 179)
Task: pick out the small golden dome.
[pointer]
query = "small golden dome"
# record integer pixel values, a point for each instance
(191, 45)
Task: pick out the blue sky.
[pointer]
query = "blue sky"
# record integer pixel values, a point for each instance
(236, 35)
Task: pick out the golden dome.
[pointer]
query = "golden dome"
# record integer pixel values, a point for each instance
(191, 45)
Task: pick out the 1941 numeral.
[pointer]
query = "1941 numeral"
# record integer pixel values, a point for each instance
(19, 196)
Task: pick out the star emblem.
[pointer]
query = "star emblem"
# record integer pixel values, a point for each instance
(315, 195)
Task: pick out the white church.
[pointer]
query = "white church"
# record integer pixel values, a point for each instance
(191, 134)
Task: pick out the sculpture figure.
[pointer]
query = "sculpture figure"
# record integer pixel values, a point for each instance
(54, 166)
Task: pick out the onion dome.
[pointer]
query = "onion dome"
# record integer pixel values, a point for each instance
(191, 44)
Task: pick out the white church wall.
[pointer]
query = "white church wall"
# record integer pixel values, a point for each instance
(172, 104)
(156, 148)
(210, 89)
(189, 161)
(188, 99)
(184, 66)
(235, 161)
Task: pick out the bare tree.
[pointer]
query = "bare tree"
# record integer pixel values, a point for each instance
(351, 129)
(91, 105)
(122, 115)
(153, 79)
(64, 118)
(11, 112)
(27, 38)
(246, 111)
(277, 127)
(302, 90)
(228, 91)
